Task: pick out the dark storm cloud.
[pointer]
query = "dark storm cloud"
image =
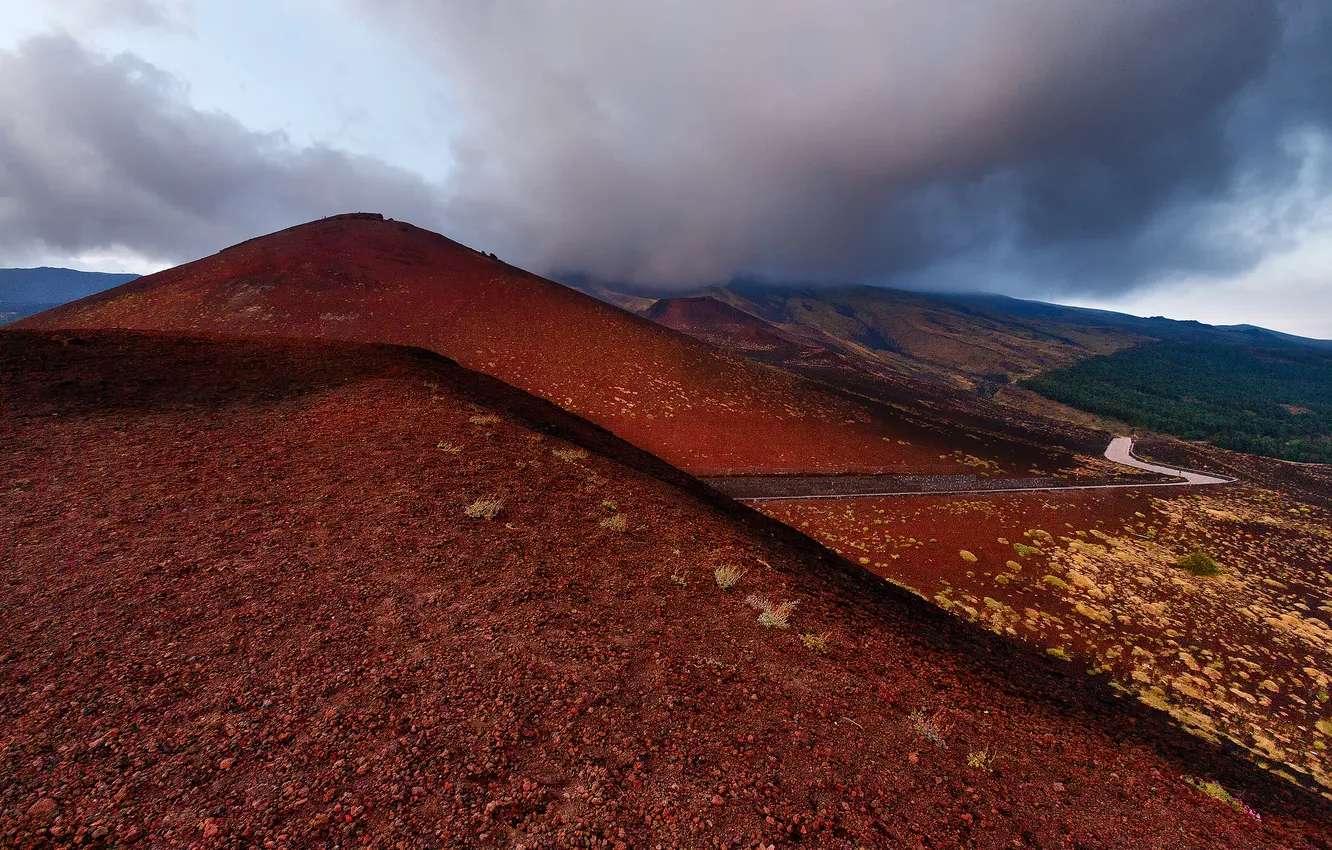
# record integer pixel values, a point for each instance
(100, 154)
(1087, 143)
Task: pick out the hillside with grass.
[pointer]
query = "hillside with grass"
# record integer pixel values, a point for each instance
(1275, 402)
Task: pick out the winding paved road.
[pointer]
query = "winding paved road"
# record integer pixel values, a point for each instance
(1120, 451)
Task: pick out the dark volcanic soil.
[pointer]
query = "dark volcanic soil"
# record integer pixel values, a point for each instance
(244, 607)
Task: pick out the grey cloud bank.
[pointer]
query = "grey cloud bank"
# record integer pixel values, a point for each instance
(1080, 148)
(105, 153)
(1079, 143)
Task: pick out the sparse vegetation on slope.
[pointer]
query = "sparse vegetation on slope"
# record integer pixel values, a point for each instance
(982, 758)
(772, 616)
(1222, 639)
(932, 727)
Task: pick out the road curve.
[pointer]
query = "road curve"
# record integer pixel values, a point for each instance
(1120, 450)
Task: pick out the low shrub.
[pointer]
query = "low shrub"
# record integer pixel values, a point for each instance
(1198, 564)
(1216, 791)
(771, 616)
(487, 508)
(727, 576)
(932, 728)
(816, 643)
(982, 759)
(777, 617)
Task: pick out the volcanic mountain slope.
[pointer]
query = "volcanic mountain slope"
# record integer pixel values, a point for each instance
(970, 341)
(860, 370)
(973, 341)
(833, 337)
(727, 327)
(288, 594)
(923, 335)
(362, 278)
(1240, 655)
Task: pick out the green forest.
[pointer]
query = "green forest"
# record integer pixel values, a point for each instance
(1275, 402)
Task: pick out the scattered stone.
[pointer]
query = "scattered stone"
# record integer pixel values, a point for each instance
(43, 811)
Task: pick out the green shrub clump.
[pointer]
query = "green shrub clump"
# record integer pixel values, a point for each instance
(1198, 564)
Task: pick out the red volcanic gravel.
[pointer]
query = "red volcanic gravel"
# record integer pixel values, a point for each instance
(369, 280)
(875, 531)
(244, 607)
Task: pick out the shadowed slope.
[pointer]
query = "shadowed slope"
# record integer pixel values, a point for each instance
(362, 278)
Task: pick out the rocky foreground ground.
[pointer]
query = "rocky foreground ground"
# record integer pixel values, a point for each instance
(277, 594)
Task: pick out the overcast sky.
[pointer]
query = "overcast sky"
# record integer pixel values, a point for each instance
(1158, 156)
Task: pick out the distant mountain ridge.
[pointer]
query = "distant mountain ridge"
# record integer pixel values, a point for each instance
(967, 341)
(1298, 340)
(25, 292)
(1159, 327)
